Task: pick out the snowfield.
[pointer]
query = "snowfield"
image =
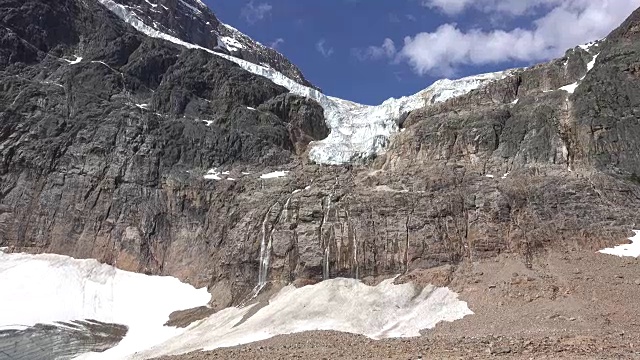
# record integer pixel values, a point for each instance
(357, 131)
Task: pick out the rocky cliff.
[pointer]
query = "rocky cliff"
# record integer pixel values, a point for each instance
(166, 160)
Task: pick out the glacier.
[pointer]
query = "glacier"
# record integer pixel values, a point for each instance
(357, 131)
(46, 289)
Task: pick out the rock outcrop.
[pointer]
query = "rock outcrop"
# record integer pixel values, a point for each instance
(107, 138)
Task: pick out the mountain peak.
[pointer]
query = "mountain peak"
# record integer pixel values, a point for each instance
(193, 22)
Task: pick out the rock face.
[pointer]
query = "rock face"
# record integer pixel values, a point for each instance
(107, 138)
(117, 116)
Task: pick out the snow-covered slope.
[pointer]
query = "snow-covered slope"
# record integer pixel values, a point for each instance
(52, 288)
(346, 305)
(357, 131)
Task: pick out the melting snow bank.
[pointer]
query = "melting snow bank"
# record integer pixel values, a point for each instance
(357, 131)
(273, 175)
(345, 305)
(631, 250)
(51, 288)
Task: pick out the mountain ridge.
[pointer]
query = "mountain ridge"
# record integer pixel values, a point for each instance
(193, 22)
(106, 157)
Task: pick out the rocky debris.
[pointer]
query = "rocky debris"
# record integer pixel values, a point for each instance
(343, 346)
(439, 276)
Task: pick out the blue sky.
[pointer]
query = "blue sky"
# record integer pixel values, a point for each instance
(356, 49)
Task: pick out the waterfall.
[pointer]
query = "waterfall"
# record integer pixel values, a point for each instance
(265, 253)
(355, 253)
(327, 246)
(325, 268)
(285, 210)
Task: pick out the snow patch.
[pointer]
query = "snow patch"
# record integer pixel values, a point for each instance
(587, 46)
(273, 175)
(50, 288)
(231, 42)
(213, 174)
(152, 4)
(143, 106)
(191, 7)
(490, 176)
(592, 63)
(74, 62)
(250, 108)
(514, 102)
(345, 305)
(630, 250)
(230, 27)
(571, 88)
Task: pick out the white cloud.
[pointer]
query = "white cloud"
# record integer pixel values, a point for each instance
(276, 43)
(253, 13)
(387, 49)
(510, 7)
(323, 49)
(563, 24)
